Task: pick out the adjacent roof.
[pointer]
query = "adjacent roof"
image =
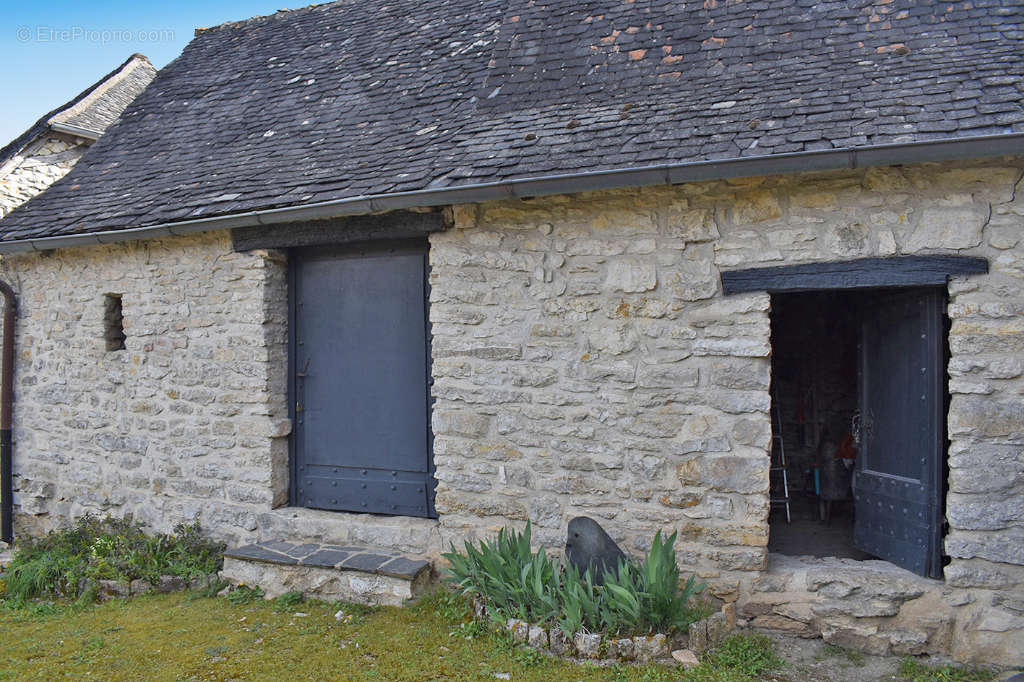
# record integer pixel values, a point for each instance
(370, 97)
(92, 111)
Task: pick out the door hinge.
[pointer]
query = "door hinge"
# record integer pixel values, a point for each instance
(298, 407)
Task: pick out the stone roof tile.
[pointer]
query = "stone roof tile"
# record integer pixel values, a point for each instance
(356, 98)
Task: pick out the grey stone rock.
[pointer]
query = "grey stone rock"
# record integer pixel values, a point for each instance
(726, 473)
(139, 586)
(856, 607)
(111, 589)
(970, 512)
(622, 649)
(907, 642)
(879, 581)
(367, 562)
(260, 552)
(589, 546)
(301, 551)
(588, 644)
(520, 629)
(981, 574)
(404, 567)
(948, 228)
(685, 658)
(856, 636)
(1005, 547)
(537, 637)
(170, 583)
(650, 648)
(561, 645)
(772, 582)
(325, 558)
(631, 275)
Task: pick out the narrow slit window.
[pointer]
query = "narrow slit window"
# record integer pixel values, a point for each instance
(113, 322)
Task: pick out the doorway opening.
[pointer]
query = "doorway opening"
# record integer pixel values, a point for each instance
(859, 399)
(814, 408)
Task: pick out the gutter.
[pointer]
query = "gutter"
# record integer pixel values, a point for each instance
(7, 414)
(77, 131)
(981, 146)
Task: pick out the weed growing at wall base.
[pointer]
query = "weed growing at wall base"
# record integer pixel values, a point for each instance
(64, 563)
(640, 596)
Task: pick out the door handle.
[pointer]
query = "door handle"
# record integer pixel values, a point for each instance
(869, 426)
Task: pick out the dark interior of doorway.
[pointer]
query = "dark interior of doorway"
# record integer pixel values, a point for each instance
(814, 401)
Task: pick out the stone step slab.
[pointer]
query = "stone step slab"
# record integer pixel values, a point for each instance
(329, 572)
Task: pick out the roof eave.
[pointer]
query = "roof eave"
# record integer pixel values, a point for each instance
(978, 147)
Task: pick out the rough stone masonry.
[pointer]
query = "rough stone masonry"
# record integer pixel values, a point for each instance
(586, 363)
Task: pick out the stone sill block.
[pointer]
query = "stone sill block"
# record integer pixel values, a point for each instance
(339, 557)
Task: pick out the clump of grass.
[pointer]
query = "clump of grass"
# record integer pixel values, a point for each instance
(914, 670)
(106, 549)
(750, 654)
(243, 594)
(354, 613)
(638, 597)
(211, 590)
(288, 601)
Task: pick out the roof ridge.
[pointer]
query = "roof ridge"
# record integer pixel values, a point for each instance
(201, 30)
(13, 147)
(100, 88)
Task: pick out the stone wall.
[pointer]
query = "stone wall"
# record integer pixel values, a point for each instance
(38, 166)
(188, 422)
(586, 362)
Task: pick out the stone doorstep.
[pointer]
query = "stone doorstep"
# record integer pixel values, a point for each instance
(338, 557)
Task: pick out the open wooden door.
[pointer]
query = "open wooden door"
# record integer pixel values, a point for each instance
(898, 486)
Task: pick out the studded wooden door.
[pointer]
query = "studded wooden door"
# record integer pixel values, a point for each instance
(360, 362)
(898, 485)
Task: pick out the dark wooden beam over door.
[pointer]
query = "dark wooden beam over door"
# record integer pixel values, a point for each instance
(865, 273)
(338, 231)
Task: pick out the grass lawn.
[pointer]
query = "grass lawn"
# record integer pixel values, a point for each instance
(178, 637)
(185, 637)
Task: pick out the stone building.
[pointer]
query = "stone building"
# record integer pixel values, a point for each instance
(399, 275)
(46, 152)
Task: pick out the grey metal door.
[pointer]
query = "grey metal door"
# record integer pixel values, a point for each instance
(898, 485)
(361, 380)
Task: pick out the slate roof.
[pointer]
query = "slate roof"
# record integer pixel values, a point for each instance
(363, 97)
(93, 109)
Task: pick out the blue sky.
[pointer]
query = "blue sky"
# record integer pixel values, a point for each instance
(52, 50)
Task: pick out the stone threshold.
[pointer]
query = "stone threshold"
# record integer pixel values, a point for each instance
(340, 557)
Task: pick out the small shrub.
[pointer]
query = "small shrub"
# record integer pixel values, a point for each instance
(107, 549)
(638, 597)
(747, 654)
(210, 590)
(288, 601)
(243, 594)
(916, 671)
(452, 608)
